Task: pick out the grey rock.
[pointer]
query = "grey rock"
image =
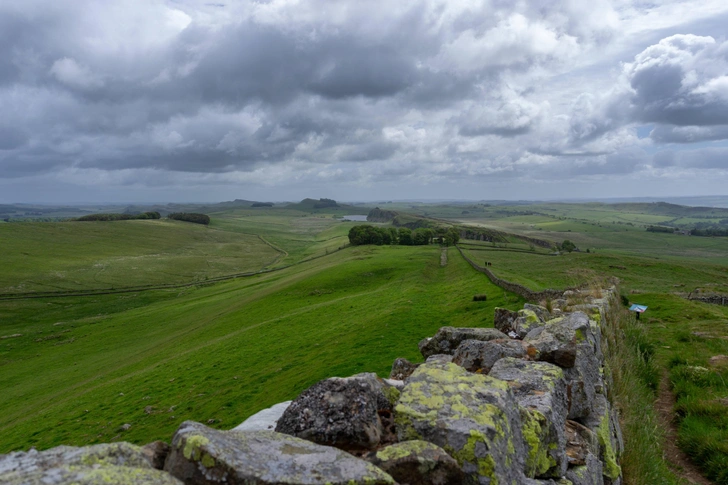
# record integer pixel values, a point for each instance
(113, 454)
(526, 322)
(418, 463)
(472, 416)
(542, 312)
(479, 356)
(354, 413)
(447, 339)
(580, 442)
(504, 320)
(603, 422)
(121, 463)
(590, 473)
(402, 369)
(92, 475)
(561, 481)
(441, 358)
(540, 389)
(156, 453)
(554, 343)
(584, 378)
(267, 419)
(202, 455)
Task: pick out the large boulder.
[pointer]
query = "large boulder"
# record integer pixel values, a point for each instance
(554, 343)
(353, 413)
(479, 356)
(202, 455)
(504, 320)
(474, 417)
(267, 419)
(121, 463)
(447, 339)
(542, 312)
(418, 462)
(540, 390)
(402, 369)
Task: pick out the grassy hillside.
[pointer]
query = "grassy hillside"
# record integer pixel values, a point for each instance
(49, 256)
(83, 367)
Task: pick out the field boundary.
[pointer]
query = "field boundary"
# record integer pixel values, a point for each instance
(521, 290)
(134, 289)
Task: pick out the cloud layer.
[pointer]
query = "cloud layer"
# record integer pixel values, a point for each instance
(413, 98)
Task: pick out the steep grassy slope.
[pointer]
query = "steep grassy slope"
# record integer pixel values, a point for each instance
(49, 256)
(222, 352)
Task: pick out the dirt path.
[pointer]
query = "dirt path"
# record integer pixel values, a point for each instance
(678, 461)
(443, 257)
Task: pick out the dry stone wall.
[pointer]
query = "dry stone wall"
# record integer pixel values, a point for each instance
(526, 403)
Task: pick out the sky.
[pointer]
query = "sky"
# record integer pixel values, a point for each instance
(186, 100)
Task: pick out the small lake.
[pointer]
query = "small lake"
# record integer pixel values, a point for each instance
(357, 218)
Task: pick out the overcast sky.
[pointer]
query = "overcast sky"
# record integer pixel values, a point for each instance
(180, 100)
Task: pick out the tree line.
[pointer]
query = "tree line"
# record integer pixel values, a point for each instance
(403, 236)
(118, 217)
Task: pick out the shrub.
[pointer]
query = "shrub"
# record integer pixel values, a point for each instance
(481, 297)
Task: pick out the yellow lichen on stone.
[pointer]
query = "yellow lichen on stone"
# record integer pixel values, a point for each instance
(609, 457)
(192, 445)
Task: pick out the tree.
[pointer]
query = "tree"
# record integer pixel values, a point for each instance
(568, 246)
(405, 236)
(451, 237)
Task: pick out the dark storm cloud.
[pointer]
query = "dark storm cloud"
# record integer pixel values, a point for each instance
(424, 90)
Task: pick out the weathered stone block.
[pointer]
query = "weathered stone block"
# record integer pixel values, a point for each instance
(540, 389)
(447, 339)
(402, 369)
(479, 356)
(202, 455)
(474, 417)
(418, 463)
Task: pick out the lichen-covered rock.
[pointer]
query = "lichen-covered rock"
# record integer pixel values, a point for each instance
(267, 419)
(527, 321)
(447, 339)
(120, 463)
(590, 473)
(540, 389)
(202, 455)
(474, 417)
(418, 462)
(561, 481)
(580, 442)
(353, 413)
(603, 422)
(111, 454)
(479, 356)
(402, 369)
(441, 358)
(543, 314)
(91, 475)
(584, 379)
(554, 343)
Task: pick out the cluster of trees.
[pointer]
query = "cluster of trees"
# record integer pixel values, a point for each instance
(118, 217)
(660, 229)
(366, 234)
(710, 231)
(380, 215)
(190, 217)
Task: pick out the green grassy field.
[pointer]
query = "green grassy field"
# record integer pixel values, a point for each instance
(83, 367)
(62, 256)
(216, 353)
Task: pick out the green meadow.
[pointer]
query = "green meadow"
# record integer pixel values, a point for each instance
(74, 369)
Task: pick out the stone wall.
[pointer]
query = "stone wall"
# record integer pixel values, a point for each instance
(521, 290)
(525, 403)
